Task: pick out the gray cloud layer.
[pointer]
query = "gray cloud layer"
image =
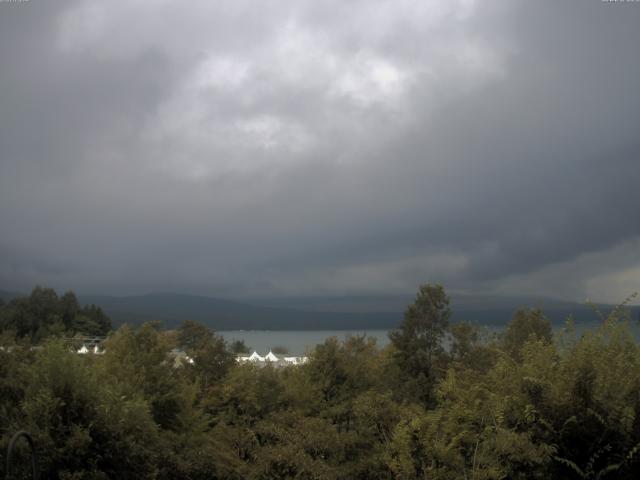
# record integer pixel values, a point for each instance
(299, 147)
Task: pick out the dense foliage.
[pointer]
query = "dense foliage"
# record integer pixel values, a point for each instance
(43, 314)
(521, 405)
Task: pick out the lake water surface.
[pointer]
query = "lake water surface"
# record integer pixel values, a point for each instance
(299, 342)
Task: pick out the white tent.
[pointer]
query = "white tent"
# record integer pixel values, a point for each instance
(83, 350)
(270, 357)
(255, 357)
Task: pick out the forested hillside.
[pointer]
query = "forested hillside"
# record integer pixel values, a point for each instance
(521, 405)
(219, 314)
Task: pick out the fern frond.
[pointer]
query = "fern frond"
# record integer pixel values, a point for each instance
(571, 465)
(608, 469)
(597, 416)
(632, 453)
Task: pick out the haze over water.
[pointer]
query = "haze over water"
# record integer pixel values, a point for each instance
(299, 342)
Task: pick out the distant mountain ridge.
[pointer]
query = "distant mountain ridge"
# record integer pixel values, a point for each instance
(366, 312)
(172, 309)
(476, 308)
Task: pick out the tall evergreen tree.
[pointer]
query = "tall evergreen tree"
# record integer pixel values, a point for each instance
(418, 341)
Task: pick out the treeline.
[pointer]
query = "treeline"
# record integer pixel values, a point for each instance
(519, 406)
(43, 314)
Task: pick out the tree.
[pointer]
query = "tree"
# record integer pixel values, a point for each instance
(238, 346)
(91, 320)
(69, 309)
(469, 350)
(524, 326)
(211, 358)
(418, 340)
(138, 360)
(280, 350)
(193, 335)
(31, 316)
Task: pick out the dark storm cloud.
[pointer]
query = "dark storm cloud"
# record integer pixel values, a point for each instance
(228, 148)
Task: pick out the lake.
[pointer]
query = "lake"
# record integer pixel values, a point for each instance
(299, 342)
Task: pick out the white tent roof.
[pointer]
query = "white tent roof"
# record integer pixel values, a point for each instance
(271, 357)
(256, 358)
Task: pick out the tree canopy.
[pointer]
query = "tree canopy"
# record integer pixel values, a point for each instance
(43, 313)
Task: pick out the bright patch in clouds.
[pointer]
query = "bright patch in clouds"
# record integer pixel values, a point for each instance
(367, 81)
(221, 73)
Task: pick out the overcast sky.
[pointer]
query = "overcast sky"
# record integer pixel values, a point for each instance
(248, 148)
